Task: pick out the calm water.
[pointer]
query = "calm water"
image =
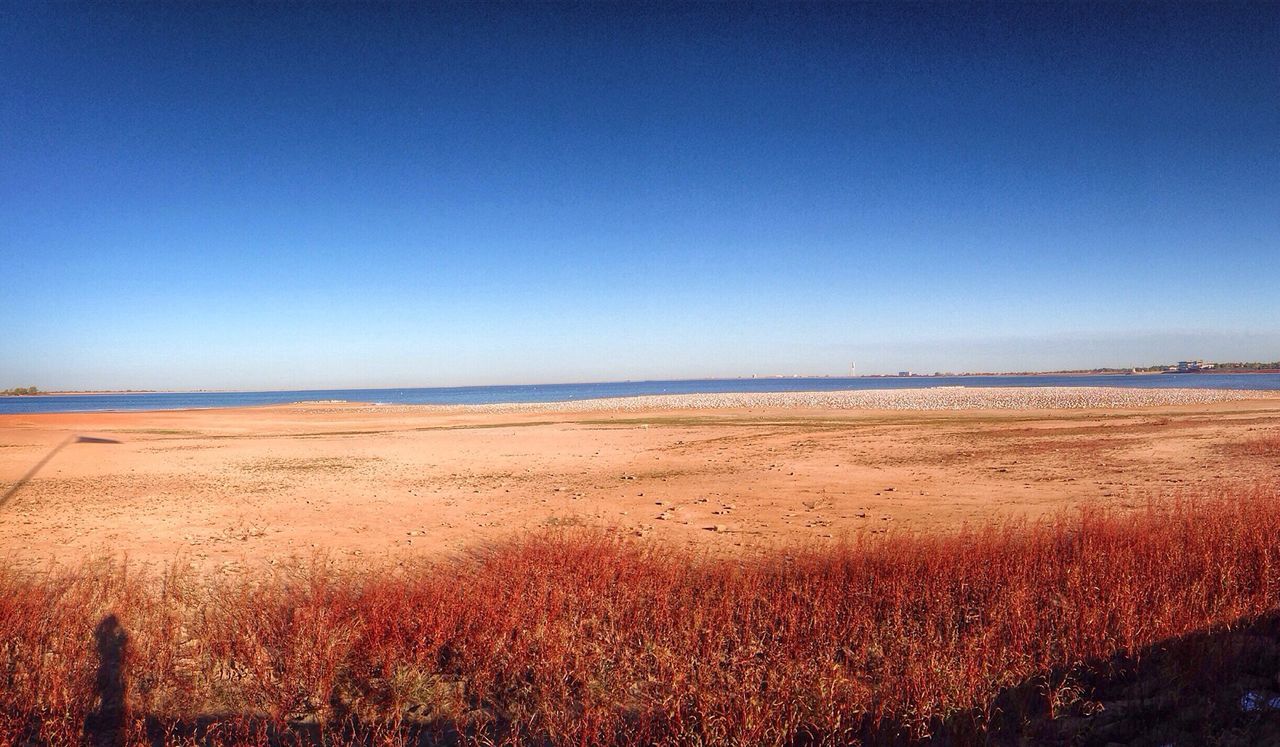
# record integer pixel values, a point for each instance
(472, 395)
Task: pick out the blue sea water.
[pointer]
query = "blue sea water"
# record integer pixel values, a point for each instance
(473, 395)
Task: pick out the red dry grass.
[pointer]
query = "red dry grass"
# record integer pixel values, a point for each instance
(1264, 446)
(583, 638)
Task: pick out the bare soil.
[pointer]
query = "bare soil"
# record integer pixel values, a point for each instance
(238, 487)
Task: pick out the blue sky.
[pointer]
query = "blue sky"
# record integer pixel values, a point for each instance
(223, 196)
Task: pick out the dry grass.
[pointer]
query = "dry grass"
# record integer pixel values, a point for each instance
(578, 637)
(307, 464)
(1265, 446)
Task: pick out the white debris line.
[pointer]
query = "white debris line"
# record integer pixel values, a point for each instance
(930, 398)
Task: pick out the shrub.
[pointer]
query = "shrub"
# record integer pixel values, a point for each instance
(579, 637)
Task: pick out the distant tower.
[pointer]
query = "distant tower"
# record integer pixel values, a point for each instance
(853, 370)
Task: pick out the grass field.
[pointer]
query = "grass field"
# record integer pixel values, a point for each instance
(579, 637)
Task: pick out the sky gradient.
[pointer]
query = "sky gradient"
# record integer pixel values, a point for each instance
(295, 196)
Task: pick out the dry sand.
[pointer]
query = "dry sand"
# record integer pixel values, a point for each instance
(236, 487)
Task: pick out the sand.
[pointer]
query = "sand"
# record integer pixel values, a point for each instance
(233, 488)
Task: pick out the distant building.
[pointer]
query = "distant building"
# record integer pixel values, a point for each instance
(1190, 366)
(904, 373)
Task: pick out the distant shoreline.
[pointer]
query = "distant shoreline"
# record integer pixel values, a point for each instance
(1026, 374)
(91, 392)
(942, 398)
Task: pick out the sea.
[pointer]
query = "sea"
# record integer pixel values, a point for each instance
(479, 395)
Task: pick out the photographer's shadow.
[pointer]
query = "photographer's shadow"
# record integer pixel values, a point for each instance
(104, 726)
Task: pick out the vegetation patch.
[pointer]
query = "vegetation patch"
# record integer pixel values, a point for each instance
(1099, 626)
(307, 464)
(158, 431)
(1263, 446)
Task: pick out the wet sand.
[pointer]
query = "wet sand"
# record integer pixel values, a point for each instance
(236, 487)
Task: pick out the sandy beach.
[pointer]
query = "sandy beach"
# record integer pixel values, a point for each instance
(231, 488)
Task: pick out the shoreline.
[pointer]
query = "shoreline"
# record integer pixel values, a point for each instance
(945, 398)
(941, 398)
(875, 377)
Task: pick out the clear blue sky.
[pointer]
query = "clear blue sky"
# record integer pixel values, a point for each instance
(272, 196)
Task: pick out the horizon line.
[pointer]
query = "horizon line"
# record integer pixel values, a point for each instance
(1102, 371)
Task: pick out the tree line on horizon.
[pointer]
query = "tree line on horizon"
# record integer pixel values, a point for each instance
(20, 391)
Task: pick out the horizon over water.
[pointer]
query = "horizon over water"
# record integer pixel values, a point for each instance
(526, 393)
